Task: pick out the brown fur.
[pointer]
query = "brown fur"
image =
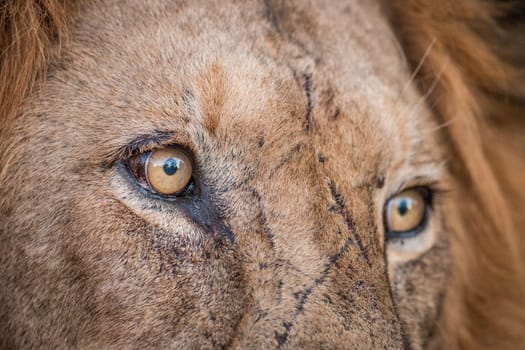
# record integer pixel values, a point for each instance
(303, 119)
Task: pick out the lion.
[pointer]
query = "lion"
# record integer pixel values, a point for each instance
(262, 174)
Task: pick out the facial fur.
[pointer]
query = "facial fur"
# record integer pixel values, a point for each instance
(303, 119)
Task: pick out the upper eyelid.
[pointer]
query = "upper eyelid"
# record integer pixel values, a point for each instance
(435, 185)
(147, 142)
(432, 173)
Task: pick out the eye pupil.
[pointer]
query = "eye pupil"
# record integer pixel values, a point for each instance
(403, 207)
(171, 166)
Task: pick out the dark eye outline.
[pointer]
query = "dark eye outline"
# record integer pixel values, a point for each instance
(136, 166)
(427, 195)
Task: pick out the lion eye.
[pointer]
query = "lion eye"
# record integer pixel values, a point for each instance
(167, 171)
(406, 213)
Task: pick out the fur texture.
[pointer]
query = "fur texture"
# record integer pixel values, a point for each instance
(474, 73)
(304, 118)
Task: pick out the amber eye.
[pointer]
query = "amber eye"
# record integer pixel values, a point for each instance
(167, 171)
(406, 213)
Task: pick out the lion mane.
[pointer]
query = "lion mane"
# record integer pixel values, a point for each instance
(468, 57)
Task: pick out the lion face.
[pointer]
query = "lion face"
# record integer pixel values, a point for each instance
(306, 210)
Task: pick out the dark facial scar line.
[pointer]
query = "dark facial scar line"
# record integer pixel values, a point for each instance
(271, 15)
(268, 234)
(307, 86)
(294, 152)
(303, 297)
(341, 209)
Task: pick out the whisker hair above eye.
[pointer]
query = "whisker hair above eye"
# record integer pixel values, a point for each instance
(417, 69)
(415, 108)
(439, 127)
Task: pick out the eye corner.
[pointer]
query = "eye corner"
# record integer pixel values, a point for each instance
(135, 166)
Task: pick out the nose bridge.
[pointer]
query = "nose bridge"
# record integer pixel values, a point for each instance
(310, 277)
